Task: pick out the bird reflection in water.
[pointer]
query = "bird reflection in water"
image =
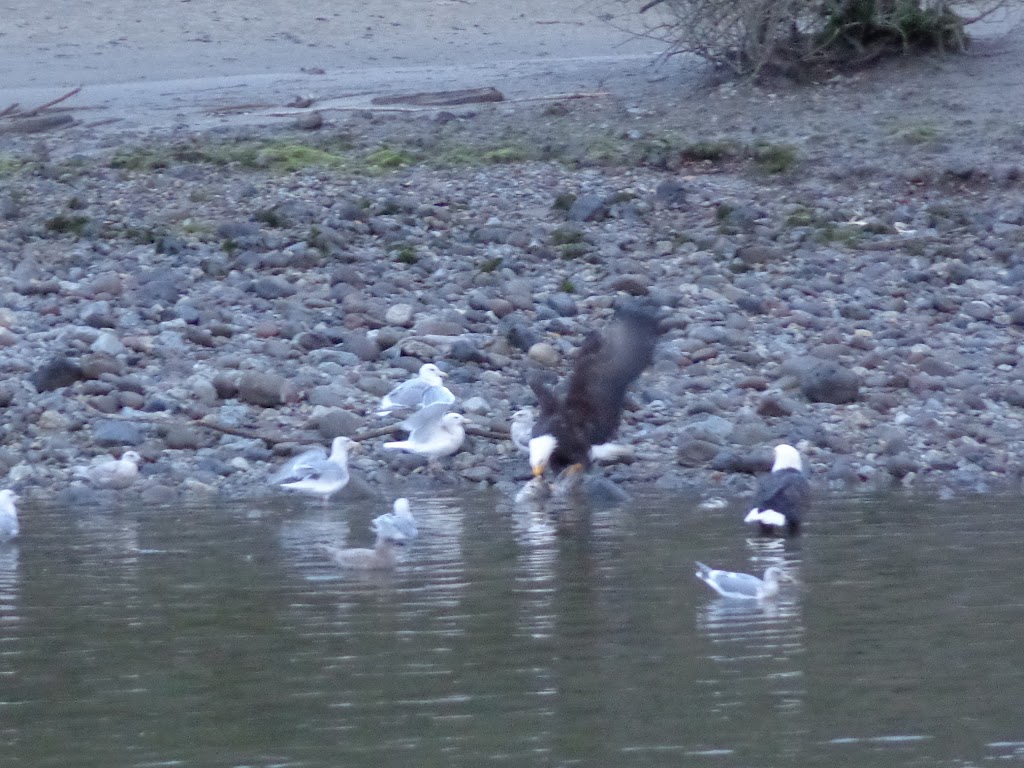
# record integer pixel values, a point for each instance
(8, 578)
(755, 646)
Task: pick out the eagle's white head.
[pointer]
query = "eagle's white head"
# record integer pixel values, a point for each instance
(787, 457)
(541, 448)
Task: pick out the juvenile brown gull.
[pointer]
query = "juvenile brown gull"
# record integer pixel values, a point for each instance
(393, 529)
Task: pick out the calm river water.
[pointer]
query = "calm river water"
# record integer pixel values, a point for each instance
(220, 635)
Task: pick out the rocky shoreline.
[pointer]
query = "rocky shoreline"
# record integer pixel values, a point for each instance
(844, 279)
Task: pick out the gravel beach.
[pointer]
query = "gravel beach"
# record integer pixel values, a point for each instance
(840, 264)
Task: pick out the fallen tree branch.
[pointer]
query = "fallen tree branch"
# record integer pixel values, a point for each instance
(34, 112)
(35, 124)
(227, 429)
(380, 432)
(251, 434)
(491, 434)
(444, 98)
(377, 108)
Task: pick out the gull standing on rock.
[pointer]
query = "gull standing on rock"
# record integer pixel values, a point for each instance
(115, 474)
(521, 429)
(393, 530)
(433, 432)
(423, 390)
(8, 515)
(782, 495)
(315, 473)
(743, 586)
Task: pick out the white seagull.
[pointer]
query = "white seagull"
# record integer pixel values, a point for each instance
(743, 586)
(393, 530)
(315, 473)
(399, 524)
(116, 474)
(521, 429)
(8, 515)
(781, 498)
(433, 432)
(423, 390)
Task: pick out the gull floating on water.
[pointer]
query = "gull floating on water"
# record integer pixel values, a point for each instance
(423, 390)
(116, 474)
(315, 473)
(742, 586)
(393, 530)
(782, 495)
(398, 525)
(433, 432)
(8, 515)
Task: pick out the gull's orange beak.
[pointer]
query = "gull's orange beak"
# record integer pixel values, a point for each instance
(538, 471)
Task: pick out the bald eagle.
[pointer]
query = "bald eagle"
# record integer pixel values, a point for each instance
(587, 413)
(782, 496)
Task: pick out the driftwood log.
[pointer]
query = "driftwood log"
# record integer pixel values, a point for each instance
(33, 120)
(272, 440)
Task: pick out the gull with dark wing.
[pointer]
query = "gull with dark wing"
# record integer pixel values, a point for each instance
(393, 529)
(587, 414)
(782, 496)
(314, 472)
(423, 390)
(743, 586)
(8, 515)
(433, 432)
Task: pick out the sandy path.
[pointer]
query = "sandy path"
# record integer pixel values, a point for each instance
(150, 64)
(200, 63)
(62, 42)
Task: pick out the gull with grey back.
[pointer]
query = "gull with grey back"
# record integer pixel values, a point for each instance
(433, 432)
(742, 586)
(426, 388)
(315, 473)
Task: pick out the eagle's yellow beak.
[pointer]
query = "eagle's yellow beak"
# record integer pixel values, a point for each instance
(538, 470)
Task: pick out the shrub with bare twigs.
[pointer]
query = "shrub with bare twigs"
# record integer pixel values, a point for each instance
(800, 37)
